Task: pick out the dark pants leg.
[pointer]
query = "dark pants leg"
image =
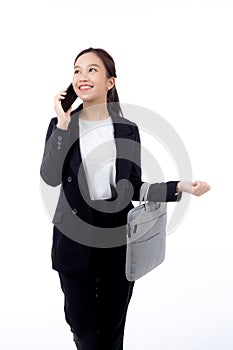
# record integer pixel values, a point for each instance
(96, 308)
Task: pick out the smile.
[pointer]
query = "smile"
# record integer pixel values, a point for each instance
(85, 87)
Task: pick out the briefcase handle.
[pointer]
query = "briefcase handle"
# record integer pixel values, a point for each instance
(144, 192)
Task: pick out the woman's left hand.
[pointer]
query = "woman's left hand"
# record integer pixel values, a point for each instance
(197, 187)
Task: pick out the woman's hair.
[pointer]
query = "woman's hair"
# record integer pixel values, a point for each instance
(109, 64)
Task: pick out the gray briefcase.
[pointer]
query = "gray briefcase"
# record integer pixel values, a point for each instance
(146, 236)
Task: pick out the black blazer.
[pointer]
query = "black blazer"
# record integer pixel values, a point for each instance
(74, 240)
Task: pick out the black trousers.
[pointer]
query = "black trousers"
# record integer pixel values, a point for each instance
(95, 309)
(96, 306)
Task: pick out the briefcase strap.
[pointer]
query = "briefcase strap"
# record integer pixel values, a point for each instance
(144, 192)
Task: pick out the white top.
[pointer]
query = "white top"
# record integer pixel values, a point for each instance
(98, 152)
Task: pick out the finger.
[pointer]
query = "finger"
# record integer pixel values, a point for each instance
(197, 190)
(206, 188)
(199, 184)
(58, 98)
(62, 92)
(203, 189)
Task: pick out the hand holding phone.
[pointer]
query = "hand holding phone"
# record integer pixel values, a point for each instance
(69, 99)
(62, 106)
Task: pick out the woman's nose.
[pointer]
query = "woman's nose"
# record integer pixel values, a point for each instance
(83, 77)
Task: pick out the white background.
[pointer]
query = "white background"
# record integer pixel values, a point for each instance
(174, 57)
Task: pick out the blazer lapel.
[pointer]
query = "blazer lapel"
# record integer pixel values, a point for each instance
(124, 149)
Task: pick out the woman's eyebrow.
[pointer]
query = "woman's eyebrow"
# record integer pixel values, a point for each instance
(93, 64)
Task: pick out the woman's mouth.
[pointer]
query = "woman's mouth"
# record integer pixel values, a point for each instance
(85, 87)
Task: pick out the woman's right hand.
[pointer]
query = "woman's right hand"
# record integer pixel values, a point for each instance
(63, 117)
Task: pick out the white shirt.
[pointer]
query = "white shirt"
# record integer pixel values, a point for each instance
(98, 151)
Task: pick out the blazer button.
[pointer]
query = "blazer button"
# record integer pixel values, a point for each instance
(74, 211)
(69, 179)
(59, 142)
(59, 137)
(58, 147)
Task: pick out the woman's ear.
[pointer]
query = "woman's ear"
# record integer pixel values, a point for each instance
(111, 83)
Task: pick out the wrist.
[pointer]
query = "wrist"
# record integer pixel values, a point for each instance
(62, 126)
(178, 187)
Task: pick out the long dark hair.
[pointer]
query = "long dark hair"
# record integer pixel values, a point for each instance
(109, 64)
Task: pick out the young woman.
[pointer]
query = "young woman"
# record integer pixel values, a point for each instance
(100, 176)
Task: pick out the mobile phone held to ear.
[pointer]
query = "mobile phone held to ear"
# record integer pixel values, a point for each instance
(69, 99)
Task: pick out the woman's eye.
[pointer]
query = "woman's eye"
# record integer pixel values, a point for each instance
(76, 71)
(91, 69)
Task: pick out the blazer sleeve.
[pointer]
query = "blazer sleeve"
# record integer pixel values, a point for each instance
(55, 151)
(158, 192)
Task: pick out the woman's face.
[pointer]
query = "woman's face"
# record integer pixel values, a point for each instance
(90, 81)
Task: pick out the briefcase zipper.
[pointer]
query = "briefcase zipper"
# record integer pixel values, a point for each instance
(128, 231)
(134, 230)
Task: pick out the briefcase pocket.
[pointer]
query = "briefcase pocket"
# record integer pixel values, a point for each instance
(148, 250)
(143, 239)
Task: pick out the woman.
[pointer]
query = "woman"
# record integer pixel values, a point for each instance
(98, 185)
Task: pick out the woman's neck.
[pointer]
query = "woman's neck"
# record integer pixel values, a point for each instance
(96, 112)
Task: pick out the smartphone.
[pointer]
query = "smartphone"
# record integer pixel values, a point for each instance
(69, 99)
